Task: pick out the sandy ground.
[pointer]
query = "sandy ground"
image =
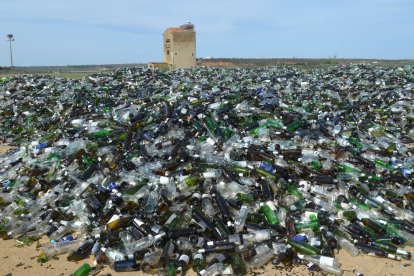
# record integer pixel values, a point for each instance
(21, 261)
(4, 148)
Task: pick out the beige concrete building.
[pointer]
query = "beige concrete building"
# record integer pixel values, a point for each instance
(179, 49)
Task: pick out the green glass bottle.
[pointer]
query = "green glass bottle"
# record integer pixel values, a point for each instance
(83, 270)
(265, 173)
(354, 151)
(375, 227)
(303, 247)
(133, 127)
(245, 198)
(298, 205)
(197, 125)
(253, 217)
(211, 124)
(348, 214)
(255, 130)
(200, 101)
(316, 164)
(383, 164)
(42, 258)
(187, 182)
(95, 145)
(221, 228)
(53, 156)
(238, 169)
(105, 122)
(294, 191)
(121, 136)
(170, 267)
(345, 168)
(100, 134)
(134, 189)
(292, 127)
(47, 138)
(173, 220)
(227, 133)
(198, 262)
(389, 247)
(270, 212)
(340, 233)
(237, 265)
(149, 119)
(271, 124)
(314, 225)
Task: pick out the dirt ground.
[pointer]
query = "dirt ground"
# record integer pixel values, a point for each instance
(20, 261)
(4, 148)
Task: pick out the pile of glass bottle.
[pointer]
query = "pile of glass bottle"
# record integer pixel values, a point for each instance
(216, 170)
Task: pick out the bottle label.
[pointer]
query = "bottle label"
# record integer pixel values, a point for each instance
(198, 256)
(326, 261)
(380, 199)
(309, 213)
(391, 256)
(220, 258)
(156, 229)
(184, 258)
(138, 222)
(401, 252)
(209, 174)
(315, 242)
(170, 219)
(318, 190)
(210, 141)
(115, 256)
(164, 180)
(271, 205)
(115, 217)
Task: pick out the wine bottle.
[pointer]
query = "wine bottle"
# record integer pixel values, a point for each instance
(183, 261)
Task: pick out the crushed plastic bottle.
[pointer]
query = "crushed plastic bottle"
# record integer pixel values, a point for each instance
(217, 170)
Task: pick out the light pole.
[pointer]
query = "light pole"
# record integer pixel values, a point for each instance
(10, 38)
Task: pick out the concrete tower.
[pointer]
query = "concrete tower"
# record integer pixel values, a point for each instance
(179, 48)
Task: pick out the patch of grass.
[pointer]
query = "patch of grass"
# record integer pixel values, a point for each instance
(331, 60)
(70, 75)
(60, 75)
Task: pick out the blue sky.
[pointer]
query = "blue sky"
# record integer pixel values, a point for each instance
(52, 32)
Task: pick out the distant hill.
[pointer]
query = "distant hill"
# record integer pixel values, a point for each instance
(301, 63)
(304, 63)
(69, 68)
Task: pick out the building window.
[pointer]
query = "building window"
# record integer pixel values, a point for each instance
(192, 54)
(175, 53)
(168, 40)
(168, 52)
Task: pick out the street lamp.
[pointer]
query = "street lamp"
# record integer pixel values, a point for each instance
(10, 38)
